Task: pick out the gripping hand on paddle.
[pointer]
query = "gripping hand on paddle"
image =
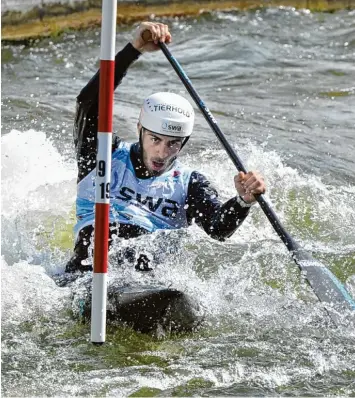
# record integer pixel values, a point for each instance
(248, 185)
(148, 42)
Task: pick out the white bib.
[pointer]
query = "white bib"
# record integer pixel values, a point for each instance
(152, 203)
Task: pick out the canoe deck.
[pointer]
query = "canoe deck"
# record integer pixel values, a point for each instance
(145, 308)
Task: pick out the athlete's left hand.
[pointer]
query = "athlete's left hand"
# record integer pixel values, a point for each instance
(248, 185)
(158, 32)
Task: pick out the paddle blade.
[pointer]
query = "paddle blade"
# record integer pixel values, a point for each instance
(326, 285)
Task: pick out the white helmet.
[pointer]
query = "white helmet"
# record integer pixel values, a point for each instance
(167, 114)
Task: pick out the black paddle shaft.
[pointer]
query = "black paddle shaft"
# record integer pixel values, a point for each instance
(325, 285)
(270, 214)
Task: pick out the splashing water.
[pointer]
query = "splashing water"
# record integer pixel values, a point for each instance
(265, 333)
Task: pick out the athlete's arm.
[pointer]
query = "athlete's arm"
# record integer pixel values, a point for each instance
(219, 220)
(87, 109)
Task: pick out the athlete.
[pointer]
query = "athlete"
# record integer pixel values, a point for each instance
(150, 188)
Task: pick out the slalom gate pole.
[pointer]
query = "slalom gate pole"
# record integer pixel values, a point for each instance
(103, 171)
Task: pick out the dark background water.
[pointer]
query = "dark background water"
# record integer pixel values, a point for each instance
(287, 80)
(280, 82)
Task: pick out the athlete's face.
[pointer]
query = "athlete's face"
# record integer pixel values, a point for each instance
(159, 151)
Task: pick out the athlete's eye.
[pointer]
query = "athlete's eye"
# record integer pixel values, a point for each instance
(155, 139)
(173, 144)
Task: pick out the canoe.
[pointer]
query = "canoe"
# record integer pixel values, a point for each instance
(145, 308)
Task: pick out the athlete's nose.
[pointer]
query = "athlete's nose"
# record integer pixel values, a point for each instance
(163, 151)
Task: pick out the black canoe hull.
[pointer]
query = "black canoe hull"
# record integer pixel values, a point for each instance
(148, 309)
(145, 308)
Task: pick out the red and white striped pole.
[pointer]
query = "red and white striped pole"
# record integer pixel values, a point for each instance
(103, 171)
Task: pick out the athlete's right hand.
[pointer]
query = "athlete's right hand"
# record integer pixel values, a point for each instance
(159, 32)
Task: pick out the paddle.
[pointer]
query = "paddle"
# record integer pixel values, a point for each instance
(324, 283)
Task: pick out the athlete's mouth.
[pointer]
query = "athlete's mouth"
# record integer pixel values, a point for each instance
(158, 165)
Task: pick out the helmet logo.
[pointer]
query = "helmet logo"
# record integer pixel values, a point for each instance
(171, 108)
(167, 126)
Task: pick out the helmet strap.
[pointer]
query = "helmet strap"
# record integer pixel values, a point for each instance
(141, 143)
(184, 142)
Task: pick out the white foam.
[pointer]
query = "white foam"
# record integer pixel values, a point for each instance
(28, 293)
(30, 162)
